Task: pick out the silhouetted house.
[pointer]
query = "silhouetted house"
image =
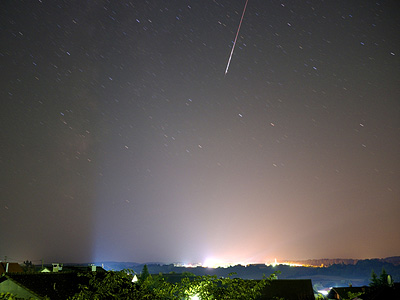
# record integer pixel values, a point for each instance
(339, 293)
(71, 268)
(83, 269)
(289, 289)
(8, 267)
(56, 286)
(382, 292)
(57, 267)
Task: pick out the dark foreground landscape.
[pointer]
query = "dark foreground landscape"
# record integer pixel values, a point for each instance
(335, 272)
(333, 279)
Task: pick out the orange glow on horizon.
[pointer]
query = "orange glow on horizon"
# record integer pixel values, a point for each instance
(214, 263)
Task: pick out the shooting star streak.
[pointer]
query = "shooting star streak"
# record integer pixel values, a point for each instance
(234, 43)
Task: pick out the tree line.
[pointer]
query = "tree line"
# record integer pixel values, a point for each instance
(119, 285)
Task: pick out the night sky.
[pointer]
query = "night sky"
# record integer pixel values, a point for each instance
(122, 138)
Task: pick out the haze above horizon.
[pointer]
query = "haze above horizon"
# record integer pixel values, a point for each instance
(123, 139)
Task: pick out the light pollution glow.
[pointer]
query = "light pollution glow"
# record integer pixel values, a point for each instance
(218, 263)
(126, 142)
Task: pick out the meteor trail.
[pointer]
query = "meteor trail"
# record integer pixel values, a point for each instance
(234, 43)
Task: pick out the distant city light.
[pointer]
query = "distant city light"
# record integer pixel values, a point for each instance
(214, 263)
(287, 263)
(219, 263)
(275, 263)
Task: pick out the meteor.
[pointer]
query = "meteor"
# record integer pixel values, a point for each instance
(234, 43)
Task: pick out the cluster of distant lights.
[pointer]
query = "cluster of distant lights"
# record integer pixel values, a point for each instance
(215, 263)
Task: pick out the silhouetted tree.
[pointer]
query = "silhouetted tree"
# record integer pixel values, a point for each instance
(381, 281)
(119, 285)
(374, 279)
(28, 266)
(383, 278)
(144, 274)
(109, 285)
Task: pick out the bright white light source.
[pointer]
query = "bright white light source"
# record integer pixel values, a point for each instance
(275, 263)
(194, 297)
(211, 262)
(323, 292)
